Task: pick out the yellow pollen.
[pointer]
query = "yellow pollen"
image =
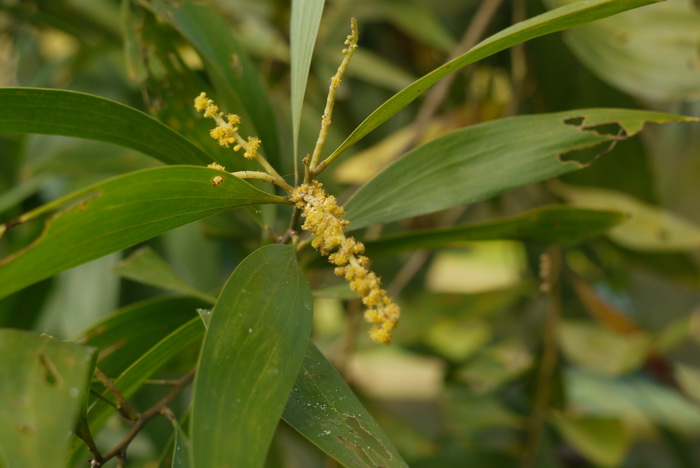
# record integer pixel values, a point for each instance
(324, 218)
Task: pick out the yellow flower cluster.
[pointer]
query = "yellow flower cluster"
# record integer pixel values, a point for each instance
(225, 131)
(324, 218)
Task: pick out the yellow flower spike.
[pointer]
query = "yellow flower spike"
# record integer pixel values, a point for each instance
(324, 218)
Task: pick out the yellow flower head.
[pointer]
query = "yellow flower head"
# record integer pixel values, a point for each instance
(324, 218)
(226, 131)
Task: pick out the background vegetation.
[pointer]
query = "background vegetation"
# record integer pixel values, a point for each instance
(530, 335)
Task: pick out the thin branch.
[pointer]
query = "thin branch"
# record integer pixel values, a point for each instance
(550, 272)
(275, 179)
(161, 407)
(122, 405)
(437, 95)
(292, 229)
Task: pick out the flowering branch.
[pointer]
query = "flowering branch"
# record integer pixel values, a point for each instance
(351, 43)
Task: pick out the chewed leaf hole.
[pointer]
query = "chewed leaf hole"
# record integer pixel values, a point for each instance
(611, 129)
(587, 156)
(574, 121)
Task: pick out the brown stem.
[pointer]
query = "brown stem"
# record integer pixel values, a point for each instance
(351, 337)
(292, 229)
(122, 405)
(548, 363)
(437, 95)
(161, 407)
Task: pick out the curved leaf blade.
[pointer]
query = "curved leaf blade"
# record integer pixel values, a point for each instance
(478, 162)
(303, 29)
(565, 17)
(73, 114)
(42, 384)
(121, 343)
(547, 225)
(648, 52)
(121, 212)
(250, 358)
(323, 409)
(231, 70)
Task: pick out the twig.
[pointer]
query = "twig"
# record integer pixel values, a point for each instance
(550, 272)
(418, 258)
(518, 63)
(350, 341)
(291, 230)
(438, 94)
(161, 407)
(122, 405)
(277, 180)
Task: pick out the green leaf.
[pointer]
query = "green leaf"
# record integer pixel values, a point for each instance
(419, 22)
(323, 409)
(121, 343)
(648, 52)
(647, 227)
(547, 225)
(182, 452)
(481, 161)
(121, 212)
(303, 29)
(146, 266)
(132, 25)
(42, 383)
(68, 113)
(231, 70)
(584, 11)
(604, 441)
(602, 350)
(635, 399)
(251, 355)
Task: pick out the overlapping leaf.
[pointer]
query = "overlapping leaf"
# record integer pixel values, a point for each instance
(306, 18)
(323, 409)
(67, 113)
(228, 64)
(548, 225)
(250, 359)
(651, 52)
(568, 16)
(121, 212)
(484, 160)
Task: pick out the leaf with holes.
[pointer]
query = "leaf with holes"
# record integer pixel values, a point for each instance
(481, 161)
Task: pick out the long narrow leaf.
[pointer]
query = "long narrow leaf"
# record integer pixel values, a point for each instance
(250, 358)
(306, 17)
(68, 113)
(323, 409)
(549, 225)
(121, 212)
(581, 12)
(481, 161)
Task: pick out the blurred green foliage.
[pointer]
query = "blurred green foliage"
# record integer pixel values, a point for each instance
(521, 342)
